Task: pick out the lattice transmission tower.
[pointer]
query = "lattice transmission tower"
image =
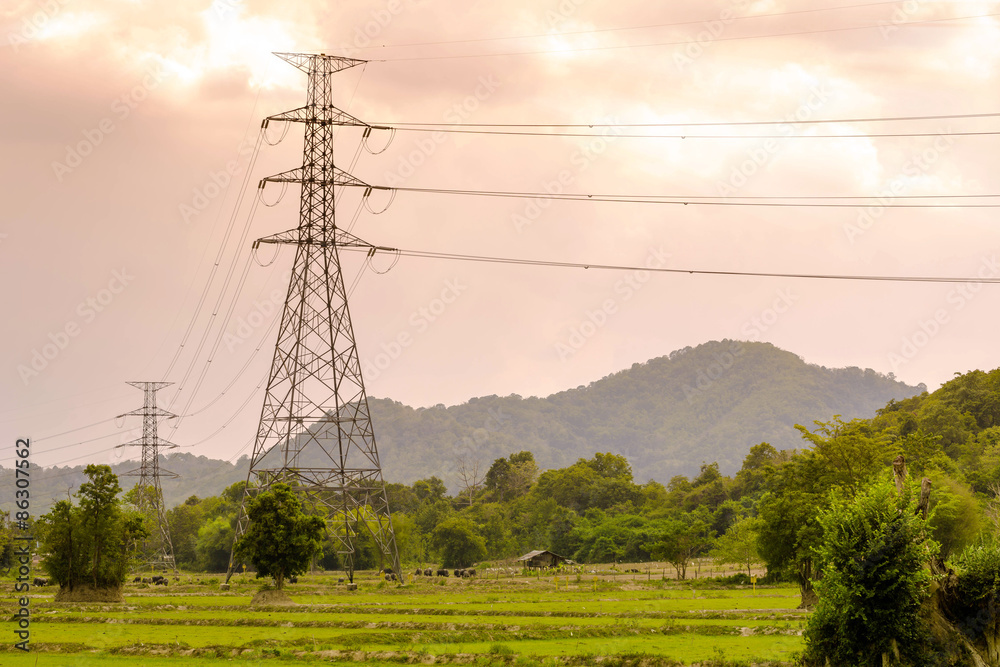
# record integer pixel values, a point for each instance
(315, 430)
(158, 550)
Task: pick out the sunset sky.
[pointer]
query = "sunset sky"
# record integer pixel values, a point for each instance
(128, 127)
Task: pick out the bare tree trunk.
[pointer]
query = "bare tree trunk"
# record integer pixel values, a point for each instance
(925, 497)
(899, 472)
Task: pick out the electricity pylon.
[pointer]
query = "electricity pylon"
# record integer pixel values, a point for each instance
(315, 430)
(158, 551)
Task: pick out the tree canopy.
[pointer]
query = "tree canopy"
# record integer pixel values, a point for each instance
(281, 539)
(94, 542)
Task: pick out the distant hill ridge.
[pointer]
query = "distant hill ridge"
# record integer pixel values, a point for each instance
(667, 416)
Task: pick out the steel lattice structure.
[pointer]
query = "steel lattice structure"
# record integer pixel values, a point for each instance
(158, 550)
(315, 431)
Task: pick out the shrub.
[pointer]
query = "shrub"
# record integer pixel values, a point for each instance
(873, 580)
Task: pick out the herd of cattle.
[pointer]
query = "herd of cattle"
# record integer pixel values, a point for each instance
(466, 573)
(159, 580)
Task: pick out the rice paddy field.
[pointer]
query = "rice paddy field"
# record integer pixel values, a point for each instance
(498, 618)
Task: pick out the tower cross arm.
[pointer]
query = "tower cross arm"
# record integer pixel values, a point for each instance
(313, 62)
(139, 442)
(297, 175)
(148, 412)
(328, 115)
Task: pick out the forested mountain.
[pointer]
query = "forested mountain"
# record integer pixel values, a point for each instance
(666, 416)
(196, 475)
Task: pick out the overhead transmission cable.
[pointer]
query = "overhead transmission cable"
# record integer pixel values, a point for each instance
(623, 267)
(625, 28)
(527, 133)
(813, 201)
(218, 257)
(902, 24)
(714, 123)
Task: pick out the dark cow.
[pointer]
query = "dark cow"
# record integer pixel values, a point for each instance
(147, 580)
(428, 572)
(157, 578)
(293, 580)
(459, 573)
(471, 572)
(390, 576)
(418, 572)
(137, 580)
(442, 573)
(39, 581)
(340, 580)
(162, 582)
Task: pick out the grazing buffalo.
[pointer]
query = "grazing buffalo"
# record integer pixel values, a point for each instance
(418, 572)
(459, 573)
(471, 572)
(137, 580)
(39, 581)
(293, 580)
(442, 573)
(390, 576)
(428, 572)
(162, 582)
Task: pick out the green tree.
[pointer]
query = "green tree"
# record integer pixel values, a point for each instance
(511, 477)
(213, 544)
(679, 541)
(95, 542)
(955, 519)
(430, 490)
(738, 545)
(873, 556)
(457, 543)
(280, 540)
(850, 452)
(788, 531)
(6, 541)
(62, 544)
(185, 520)
(973, 599)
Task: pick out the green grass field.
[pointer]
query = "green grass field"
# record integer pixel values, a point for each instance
(511, 621)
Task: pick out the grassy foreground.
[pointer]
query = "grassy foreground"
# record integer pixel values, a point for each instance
(510, 620)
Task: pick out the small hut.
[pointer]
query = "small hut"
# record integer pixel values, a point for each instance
(542, 559)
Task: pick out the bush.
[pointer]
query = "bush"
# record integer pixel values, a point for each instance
(873, 580)
(977, 590)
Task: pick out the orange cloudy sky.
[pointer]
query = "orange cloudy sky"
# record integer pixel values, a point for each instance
(123, 122)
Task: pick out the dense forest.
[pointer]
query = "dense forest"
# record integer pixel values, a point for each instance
(594, 511)
(666, 416)
(865, 515)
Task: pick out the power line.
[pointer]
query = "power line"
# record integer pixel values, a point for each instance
(707, 200)
(718, 123)
(623, 28)
(902, 24)
(878, 135)
(74, 430)
(623, 267)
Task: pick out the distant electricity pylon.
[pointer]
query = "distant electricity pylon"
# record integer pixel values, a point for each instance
(158, 550)
(315, 431)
